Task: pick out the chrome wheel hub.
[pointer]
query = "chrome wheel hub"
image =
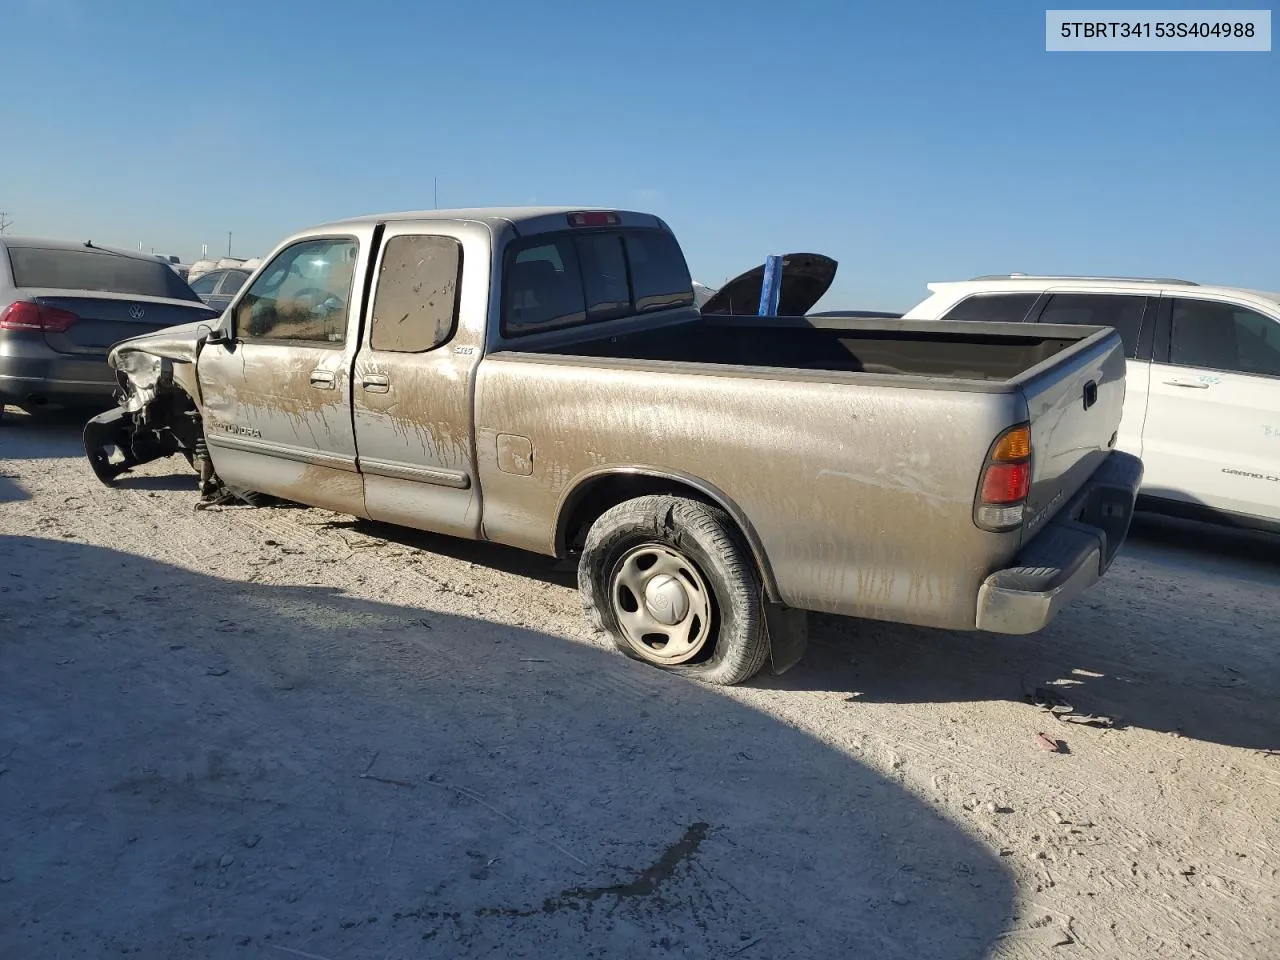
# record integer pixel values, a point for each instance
(662, 604)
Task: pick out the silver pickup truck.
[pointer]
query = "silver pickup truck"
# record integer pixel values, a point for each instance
(542, 378)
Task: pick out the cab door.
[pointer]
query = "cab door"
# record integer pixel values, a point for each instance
(277, 393)
(1212, 433)
(414, 377)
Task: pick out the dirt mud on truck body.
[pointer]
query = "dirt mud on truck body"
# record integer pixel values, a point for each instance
(542, 378)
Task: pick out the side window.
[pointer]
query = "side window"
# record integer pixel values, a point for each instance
(232, 281)
(303, 294)
(1223, 336)
(1125, 313)
(543, 288)
(995, 307)
(204, 285)
(415, 307)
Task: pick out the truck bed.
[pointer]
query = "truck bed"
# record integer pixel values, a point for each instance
(856, 463)
(998, 352)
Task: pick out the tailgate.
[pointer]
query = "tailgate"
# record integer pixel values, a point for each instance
(1074, 402)
(102, 320)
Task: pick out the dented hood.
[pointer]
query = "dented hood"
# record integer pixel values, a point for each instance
(173, 343)
(806, 277)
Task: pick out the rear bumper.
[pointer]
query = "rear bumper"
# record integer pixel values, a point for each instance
(1068, 556)
(31, 372)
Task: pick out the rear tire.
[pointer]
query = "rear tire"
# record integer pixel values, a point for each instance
(671, 583)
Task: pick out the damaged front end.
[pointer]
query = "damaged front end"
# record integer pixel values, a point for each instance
(157, 414)
(154, 418)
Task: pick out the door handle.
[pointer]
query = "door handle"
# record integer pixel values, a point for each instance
(322, 379)
(376, 382)
(1190, 384)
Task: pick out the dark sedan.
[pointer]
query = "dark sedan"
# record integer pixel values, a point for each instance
(62, 306)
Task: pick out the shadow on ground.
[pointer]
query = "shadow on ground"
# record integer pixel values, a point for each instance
(51, 433)
(1178, 638)
(10, 489)
(186, 480)
(1162, 657)
(506, 559)
(191, 767)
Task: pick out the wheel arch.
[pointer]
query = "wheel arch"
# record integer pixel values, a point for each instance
(591, 494)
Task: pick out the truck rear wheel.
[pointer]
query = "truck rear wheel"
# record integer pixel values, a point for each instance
(669, 580)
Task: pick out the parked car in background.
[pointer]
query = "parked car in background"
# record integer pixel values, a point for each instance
(217, 287)
(1202, 407)
(62, 306)
(542, 378)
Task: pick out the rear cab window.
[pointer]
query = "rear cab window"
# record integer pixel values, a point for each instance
(573, 277)
(101, 271)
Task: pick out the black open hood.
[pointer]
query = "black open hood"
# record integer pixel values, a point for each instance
(805, 278)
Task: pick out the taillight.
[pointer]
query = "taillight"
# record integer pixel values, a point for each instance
(25, 315)
(1006, 481)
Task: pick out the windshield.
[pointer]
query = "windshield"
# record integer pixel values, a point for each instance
(98, 270)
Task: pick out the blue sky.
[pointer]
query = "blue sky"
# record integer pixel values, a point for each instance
(913, 142)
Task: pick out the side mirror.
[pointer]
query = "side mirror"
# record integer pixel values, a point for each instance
(208, 334)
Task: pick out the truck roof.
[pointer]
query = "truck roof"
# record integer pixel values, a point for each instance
(489, 215)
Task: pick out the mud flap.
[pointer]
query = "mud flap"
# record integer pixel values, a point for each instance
(108, 443)
(788, 636)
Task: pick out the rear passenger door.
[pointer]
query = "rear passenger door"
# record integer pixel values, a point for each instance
(1212, 434)
(1133, 317)
(414, 379)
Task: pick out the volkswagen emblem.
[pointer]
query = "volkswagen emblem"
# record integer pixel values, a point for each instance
(137, 311)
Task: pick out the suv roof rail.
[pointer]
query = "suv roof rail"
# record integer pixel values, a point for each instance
(1069, 276)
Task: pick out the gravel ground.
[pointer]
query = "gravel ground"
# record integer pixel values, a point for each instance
(282, 733)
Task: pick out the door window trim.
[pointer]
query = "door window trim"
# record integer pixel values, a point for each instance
(243, 292)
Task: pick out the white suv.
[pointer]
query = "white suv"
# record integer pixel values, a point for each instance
(1202, 408)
